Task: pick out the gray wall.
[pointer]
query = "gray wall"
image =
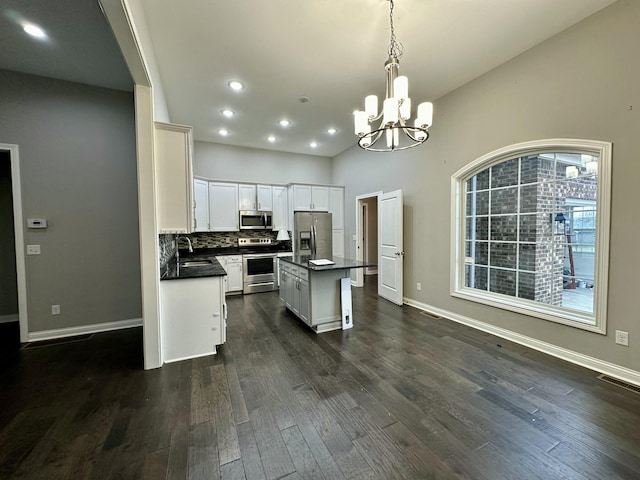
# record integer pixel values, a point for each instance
(8, 281)
(240, 164)
(579, 84)
(78, 164)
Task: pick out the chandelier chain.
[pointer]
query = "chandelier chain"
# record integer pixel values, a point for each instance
(395, 47)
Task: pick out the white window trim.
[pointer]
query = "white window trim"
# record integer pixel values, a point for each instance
(596, 322)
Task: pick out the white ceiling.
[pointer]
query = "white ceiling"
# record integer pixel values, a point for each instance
(331, 51)
(79, 46)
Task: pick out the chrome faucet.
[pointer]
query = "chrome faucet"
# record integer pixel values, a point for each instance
(178, 237)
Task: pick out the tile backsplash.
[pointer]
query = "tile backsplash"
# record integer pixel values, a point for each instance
(167, 248)
(226, 239)
(210, 240)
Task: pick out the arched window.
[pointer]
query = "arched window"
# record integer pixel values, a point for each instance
(531, 230)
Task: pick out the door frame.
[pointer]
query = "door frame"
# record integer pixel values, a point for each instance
(18, 228)
(359, 272)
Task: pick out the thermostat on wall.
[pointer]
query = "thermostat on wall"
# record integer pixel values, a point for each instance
(36, 222)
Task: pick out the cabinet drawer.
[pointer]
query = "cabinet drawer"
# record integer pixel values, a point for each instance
(303, 274)
(234, 258)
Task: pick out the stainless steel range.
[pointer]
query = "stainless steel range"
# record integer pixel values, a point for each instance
(259, 269)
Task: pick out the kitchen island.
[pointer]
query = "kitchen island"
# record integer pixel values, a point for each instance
(314, 293)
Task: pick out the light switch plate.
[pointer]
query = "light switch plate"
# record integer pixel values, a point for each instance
(33, 249)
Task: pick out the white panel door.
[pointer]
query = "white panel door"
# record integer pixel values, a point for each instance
(390, 246)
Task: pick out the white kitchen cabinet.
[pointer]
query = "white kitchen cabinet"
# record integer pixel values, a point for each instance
(193, 317)
(336, 207)
(173, 146)
(264, 195)
(303, 300)
(200, 205)
(279, 264)
(232, 264)
(294, 290)
(247, 196)
(280, 217)
(310, 197)
(337, 242)
(223, 207)
(255, 197)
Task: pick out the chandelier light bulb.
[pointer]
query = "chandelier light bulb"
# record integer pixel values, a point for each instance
(401, 88)
(425, 113)
(390, 109)
(360, 121)
(371, 106)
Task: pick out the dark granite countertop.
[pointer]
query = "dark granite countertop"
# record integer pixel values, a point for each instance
(339, 263)
(172, 272)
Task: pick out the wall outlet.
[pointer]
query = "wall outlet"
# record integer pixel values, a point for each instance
(55, 309)
(622, 338)
(33, 249)
(418, 286)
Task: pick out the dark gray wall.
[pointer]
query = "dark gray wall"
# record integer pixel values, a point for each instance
(78, 165)
(8, 285)
(582, 83)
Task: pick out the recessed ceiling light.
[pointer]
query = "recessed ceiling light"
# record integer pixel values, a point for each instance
(235, 85)
(223, 132)
(284, 122)
(332, 131)
(34, 31)
(271, 138)
(313, 144)
(228, 113)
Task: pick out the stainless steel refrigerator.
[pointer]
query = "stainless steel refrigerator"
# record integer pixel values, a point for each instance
(312, 234)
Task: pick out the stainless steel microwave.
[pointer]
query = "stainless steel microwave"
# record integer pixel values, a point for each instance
(256, 220)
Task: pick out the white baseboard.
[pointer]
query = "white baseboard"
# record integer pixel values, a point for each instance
(83, 330)
(592, 363)
(9, 318)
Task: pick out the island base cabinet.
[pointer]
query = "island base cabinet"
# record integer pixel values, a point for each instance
(193, 317)
(314, 297)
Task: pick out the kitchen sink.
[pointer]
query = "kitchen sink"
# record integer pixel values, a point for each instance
(195, 263)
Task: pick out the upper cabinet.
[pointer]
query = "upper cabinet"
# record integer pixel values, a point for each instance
(265, 197)
(223, 207)
(255, 197)
(336, 207)
(310, 197)
(280, 210)
(174, 178)
(200, 205)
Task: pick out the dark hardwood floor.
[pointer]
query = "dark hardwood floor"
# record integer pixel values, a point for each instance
(402, 395)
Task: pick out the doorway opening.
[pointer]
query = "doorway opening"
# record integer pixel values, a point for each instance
(366, 236)
(13, 295)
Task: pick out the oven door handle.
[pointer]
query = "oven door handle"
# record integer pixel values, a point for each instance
(260, 255)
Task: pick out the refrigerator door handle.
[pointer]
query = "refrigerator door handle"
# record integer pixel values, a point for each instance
(313, 240)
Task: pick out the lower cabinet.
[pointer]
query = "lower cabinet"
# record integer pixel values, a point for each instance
(232, 264)
(193, 317)
(294, 290)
